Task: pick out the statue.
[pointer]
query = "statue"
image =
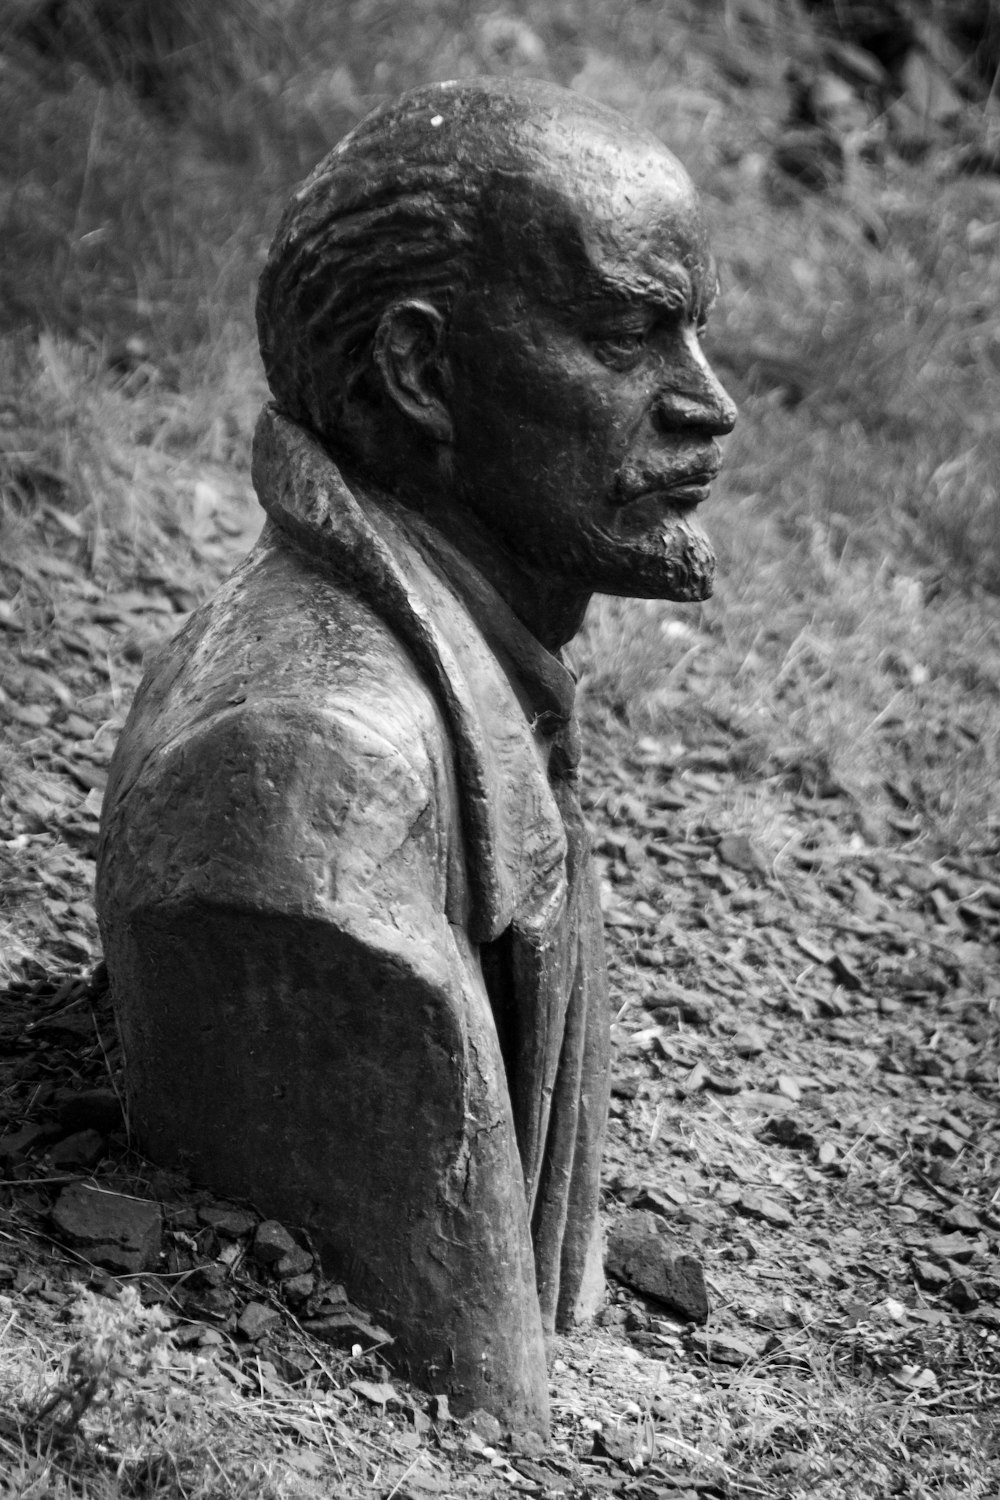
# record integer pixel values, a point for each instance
(344, 886)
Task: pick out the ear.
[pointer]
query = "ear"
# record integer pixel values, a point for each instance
(410, 356)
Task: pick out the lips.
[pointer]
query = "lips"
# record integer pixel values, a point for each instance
(685, 492)
(681, 486)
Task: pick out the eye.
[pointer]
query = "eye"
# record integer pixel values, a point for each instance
(621, 350)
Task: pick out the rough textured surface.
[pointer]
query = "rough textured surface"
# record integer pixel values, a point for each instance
(344, 888)
(346, 953)
(641, 1255)
(272, 1243)
(122, 1234)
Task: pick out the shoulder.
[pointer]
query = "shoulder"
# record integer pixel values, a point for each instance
(288, 657)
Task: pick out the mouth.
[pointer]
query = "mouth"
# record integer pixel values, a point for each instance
(675, 490)
(684, 494)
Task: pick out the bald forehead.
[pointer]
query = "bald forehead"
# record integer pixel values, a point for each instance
(597, 212)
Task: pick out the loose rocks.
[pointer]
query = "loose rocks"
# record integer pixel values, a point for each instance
(272, 1243)
(122, 1234)
(639, 1254)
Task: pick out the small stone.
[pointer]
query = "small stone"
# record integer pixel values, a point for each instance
(757, 1206)
(528, 1443)
(721, 1349)
(296, 1263)
(930, 1276)
(736, 850)
(784, 1131)
(347, 1328)
(620, 1444)
(948, 1143)
(951, 1247)
(182, 1216)
(437, 1409)
(820, 1268)
(378, 1392)
(298, 1288)
(484, 1424)
(271, 1242)
(90, 1109)
(256, 1319)
(227, 1219)
(208, 1273)
(84, 1149)
(962, 1295)
(333, 1294)
(639, 1255)
(662, 1200)
(961, 1216)
(213, 1302)
(696, 1010)
(120, 1233)
(749, 1041)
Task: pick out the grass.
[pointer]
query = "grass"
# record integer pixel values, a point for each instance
(852, 648)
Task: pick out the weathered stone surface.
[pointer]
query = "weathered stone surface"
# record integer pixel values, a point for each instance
(960, 1216)
(639, 1254)
(957, 1247)
(932, 1278)
(962, 1294)
(256, 1319)
(272, 1243)
(83, 1149)
(120, 1233)
(347, 1328)
(227, 1219)
(723, 1349)
(296, 1263)
(760, 1206)
(298, 1288)
(484, 1425)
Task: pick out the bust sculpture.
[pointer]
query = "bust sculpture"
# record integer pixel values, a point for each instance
(344, 886)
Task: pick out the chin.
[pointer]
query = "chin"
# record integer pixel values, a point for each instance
(676, 562)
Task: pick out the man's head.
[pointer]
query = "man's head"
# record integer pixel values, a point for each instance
(489, 297)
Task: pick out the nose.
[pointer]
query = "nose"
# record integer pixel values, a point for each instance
(691, 396)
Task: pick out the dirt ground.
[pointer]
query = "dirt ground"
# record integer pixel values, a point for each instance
(805, 1101)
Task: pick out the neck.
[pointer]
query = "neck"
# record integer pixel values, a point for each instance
(552, 608)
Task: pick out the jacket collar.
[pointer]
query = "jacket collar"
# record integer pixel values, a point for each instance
(507, 702)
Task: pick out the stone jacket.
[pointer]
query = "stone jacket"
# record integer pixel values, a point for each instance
(352, 931)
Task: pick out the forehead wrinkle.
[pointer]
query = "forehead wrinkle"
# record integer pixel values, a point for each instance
(668, 288)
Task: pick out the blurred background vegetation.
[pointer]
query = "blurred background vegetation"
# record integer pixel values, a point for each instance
(849, 154)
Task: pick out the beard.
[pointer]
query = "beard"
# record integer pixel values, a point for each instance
(683, 567)
(671, 558)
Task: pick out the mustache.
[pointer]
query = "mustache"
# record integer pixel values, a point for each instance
(636, 479)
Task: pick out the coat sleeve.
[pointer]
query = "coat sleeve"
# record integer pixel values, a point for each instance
(306, 1025)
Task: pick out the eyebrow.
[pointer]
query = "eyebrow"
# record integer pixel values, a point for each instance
(670, 288)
